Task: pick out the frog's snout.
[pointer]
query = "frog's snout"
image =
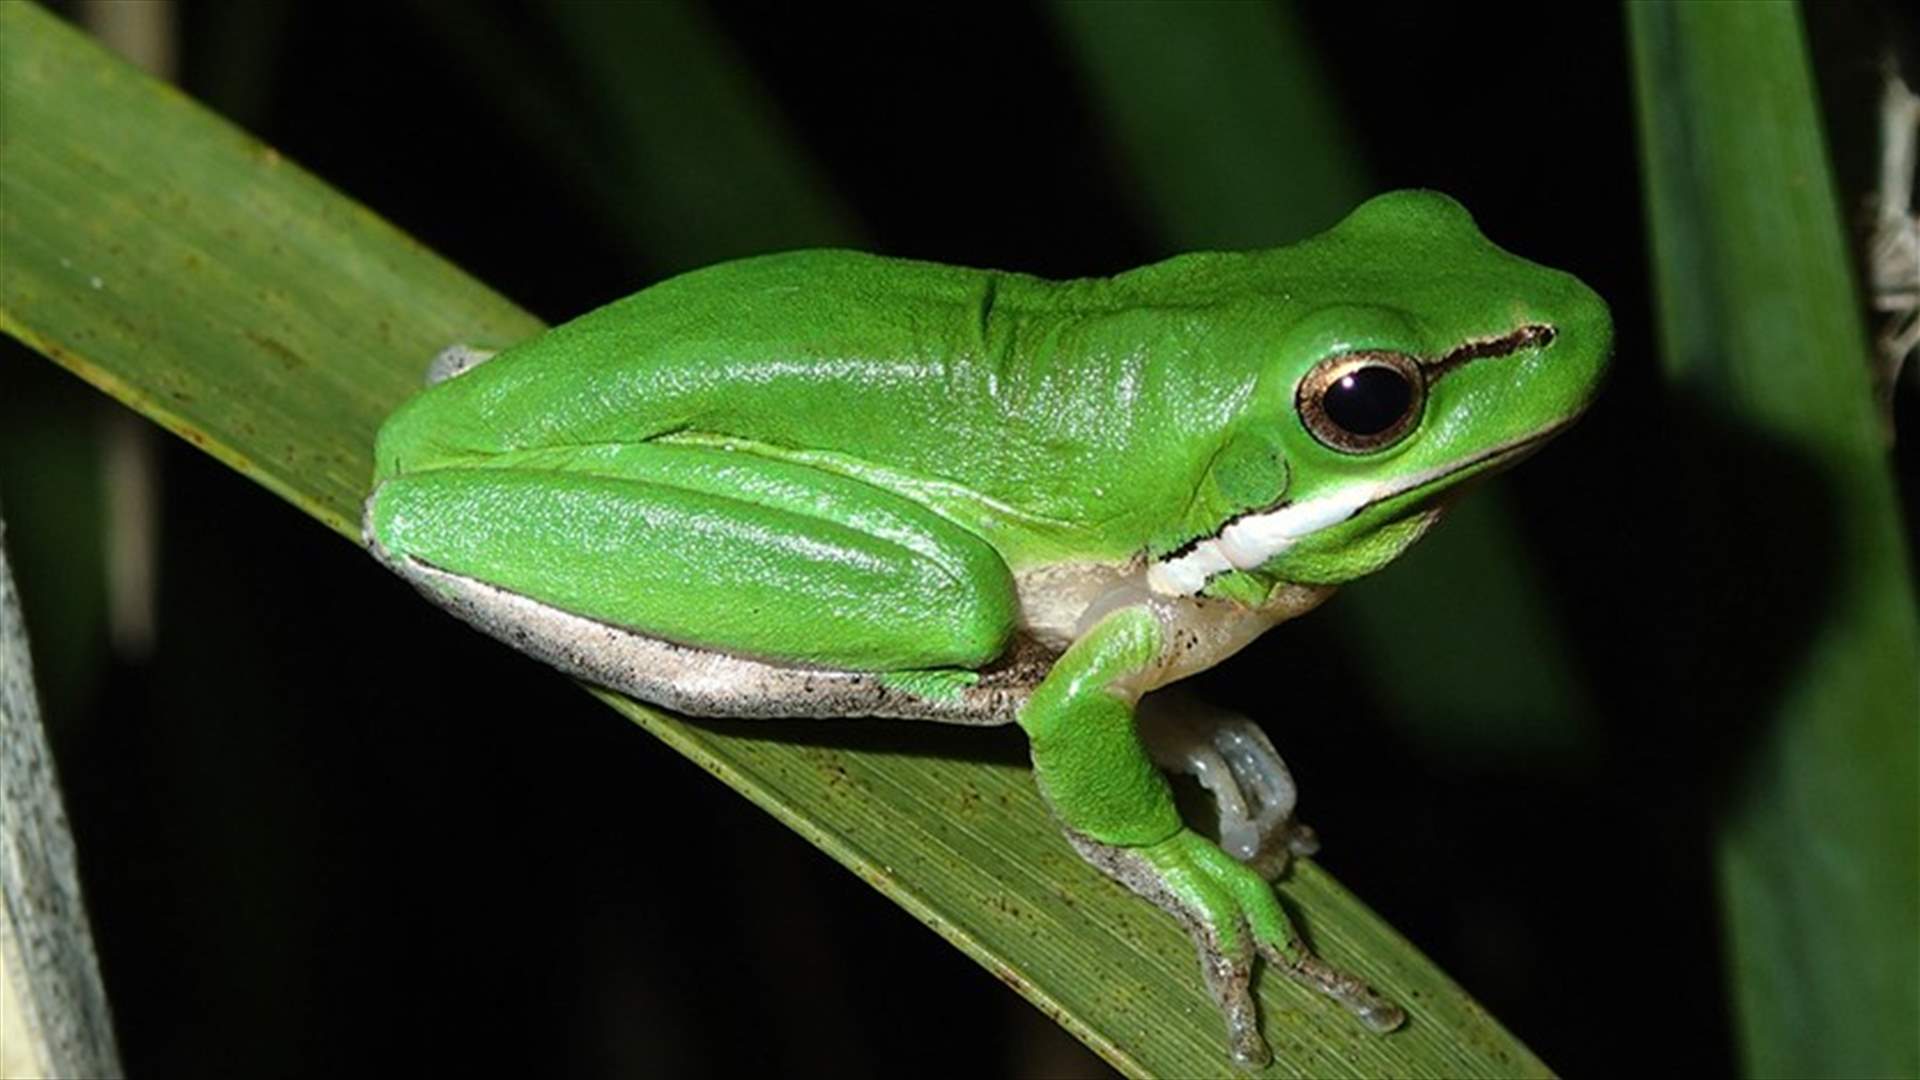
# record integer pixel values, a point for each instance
(1575, 361)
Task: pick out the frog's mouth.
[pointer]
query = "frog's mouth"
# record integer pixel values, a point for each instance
(1256, 537)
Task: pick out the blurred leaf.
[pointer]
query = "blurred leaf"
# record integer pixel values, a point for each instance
(662, 121)
(51, 491)
(1223, 114)
(196, 276)
(1763, 345)
(238, 49)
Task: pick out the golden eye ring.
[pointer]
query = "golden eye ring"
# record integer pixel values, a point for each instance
(1362, 402)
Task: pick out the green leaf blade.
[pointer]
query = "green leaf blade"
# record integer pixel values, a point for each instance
(1761, 334)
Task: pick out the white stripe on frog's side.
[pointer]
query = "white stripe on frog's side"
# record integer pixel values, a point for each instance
(1249, 542)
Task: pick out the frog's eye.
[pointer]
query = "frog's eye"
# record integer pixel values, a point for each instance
(1360, 402)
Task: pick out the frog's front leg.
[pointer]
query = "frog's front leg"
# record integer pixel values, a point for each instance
(1252, 790)
(1120, 816)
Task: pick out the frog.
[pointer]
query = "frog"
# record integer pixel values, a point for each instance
(826, 484)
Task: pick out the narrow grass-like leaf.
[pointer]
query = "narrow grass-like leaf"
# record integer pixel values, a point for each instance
(199, 278)
(1221, 112)
(1763, 345)
(675, 143)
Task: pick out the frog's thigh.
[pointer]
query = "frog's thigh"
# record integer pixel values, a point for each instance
(721, 550)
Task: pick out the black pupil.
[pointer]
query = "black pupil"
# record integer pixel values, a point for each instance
(1368, 400)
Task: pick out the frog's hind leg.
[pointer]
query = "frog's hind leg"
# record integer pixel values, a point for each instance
(729, 583)
(1236, 763)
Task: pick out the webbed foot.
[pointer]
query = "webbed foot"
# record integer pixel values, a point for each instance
(1232, 914)
(1236, 763)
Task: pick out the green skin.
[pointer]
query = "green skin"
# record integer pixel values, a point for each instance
(890, 478)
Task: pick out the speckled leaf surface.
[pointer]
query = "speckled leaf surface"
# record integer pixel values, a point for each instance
(238, 301)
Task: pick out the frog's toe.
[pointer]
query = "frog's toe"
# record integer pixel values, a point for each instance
(1171, 876)
(1230, 983)
(1267, 790)
(1226, 947)
(1232, 914)
(1236, 763)
(1257, 909)
(456, 360)
(1351, 991)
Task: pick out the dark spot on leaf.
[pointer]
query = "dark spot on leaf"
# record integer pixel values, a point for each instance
(287, 357)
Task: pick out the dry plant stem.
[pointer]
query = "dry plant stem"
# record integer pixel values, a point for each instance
(53, 1009)
(1893, 251)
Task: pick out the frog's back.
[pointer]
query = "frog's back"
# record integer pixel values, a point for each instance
(1052, 418)
(707, 350)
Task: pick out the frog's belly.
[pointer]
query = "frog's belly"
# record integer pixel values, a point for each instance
(1059, 603)
(703, 682)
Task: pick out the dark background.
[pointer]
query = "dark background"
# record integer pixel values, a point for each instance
(449, 858)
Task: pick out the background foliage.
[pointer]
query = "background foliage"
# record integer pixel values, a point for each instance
(309, 812)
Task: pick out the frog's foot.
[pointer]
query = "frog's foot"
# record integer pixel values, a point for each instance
(1236, 763)
(1231, 913)
(456, 360)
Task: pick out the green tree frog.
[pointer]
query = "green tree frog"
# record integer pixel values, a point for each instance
(825, 483)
